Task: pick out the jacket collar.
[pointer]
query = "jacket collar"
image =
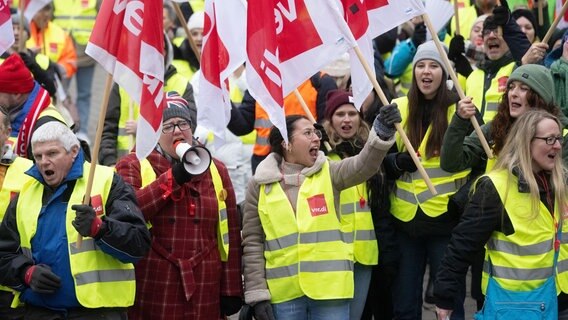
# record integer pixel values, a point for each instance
(268, 171)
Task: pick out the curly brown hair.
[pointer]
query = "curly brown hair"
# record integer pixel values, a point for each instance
(502, 123)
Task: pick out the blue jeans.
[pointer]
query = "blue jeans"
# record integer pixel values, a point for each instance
(362, 280)
(304, 308)
(84, 78)
(408, 286)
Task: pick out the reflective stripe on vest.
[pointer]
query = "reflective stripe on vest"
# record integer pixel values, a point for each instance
(97, 275)
(411, 190)
(306, 252)
(521, 261)
(292, 106)
(356, 215)
(487, 102)
(124, 141)
(148, 175)
(77, 17)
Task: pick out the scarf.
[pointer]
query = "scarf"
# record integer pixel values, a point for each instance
(559, 70)
(24, 122)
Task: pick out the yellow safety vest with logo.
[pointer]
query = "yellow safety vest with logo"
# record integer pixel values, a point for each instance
(124, 141)
(148, 175)
(306, 252)
(98, 276)
(76, 17)
(14, 179)
(488, 101)
(54, 39)
(354, 208)
(523, 260)
(411, 190)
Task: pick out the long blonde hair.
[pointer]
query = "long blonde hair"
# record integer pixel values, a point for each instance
(516, 153)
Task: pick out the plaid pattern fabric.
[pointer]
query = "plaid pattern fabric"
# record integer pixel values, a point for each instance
(183, 276)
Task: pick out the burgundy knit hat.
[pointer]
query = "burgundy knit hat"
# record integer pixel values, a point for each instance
(335, 99)
(15, 77)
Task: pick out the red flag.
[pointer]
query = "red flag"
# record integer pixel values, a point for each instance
(7, 38)
(128, 42)
(223, 52)
(31, 7)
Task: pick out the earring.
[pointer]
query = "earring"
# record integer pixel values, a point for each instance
(289, 147)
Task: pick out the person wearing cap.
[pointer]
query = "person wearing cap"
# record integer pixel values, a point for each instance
(364, 205)
(24, 100)
(529, 87)
(39, 257)
(193, 270)
(121, 118)
(12, 178)
(423, 221)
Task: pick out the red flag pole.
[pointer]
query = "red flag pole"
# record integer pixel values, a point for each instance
(555, 23)
(399, 128)
(454, 77)
(179, 14)
(95, 150)
(309, 113)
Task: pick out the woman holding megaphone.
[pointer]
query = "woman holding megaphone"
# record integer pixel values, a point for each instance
(193, 269)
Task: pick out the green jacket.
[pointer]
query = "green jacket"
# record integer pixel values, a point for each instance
(462, 149)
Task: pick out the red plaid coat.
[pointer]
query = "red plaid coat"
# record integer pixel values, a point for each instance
(183, 277)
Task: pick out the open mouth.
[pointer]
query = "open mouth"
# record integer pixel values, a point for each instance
(346, 127)
(515, 105)
(552, 156)
(314, 151)
(493, 46)
(49, 173)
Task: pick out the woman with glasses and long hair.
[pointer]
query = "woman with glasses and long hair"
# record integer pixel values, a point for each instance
(422, 219)
(298, 246)
(518, 212)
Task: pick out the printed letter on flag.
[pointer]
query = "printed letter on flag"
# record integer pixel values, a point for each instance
(224, 39)
(128, 42)
(6, 31)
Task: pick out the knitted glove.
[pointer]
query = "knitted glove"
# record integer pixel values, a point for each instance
(181, 175)
(263, 311)
(404, 162)
(419, 35)
(502, 14)
(385, 120)
(463, 66)
(86, 222)
(41, 280)
(457, 47)
(230, 305)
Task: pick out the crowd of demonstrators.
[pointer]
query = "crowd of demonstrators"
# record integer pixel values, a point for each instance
(322, 235)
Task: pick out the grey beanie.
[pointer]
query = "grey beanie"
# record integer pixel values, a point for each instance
(16, 21)
(537, 77)
(428, 50)
(176, 106)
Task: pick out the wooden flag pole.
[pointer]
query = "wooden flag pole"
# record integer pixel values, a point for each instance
(398, 127)
(555, 23)
(309, 114)
(454, 77)
(96, 147)
(456, 18)
(179, 15)
(21, 42)
(132, 137)
(540, 14)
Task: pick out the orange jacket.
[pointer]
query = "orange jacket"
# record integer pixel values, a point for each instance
(55, 43)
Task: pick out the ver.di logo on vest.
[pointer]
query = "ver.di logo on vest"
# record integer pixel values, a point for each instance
(317, 205)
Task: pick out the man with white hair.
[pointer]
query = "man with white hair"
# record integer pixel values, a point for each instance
(39, 258)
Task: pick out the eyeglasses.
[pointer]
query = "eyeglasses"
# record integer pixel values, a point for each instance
(310, 133)
(551, 140)
(170, 127)
(487, 32)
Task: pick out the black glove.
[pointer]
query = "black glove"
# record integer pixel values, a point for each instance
(502, 14)
(86, 221)
(324, 137)
(385, 120)
(181, 175)
(419, 35)
(230, 305)
(463, 66)
(404, 162)
(41, 280)
(457, 47)
(40, 75)
(263, 311)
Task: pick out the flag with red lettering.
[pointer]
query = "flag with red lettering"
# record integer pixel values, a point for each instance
(31, 7)
(7, 38)
(224, 39)
(128, 41)
(288, 41)
(387, 14)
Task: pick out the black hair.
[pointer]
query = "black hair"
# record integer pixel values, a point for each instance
(275, 138)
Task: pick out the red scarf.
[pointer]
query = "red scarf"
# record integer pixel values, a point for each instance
(41, 101)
